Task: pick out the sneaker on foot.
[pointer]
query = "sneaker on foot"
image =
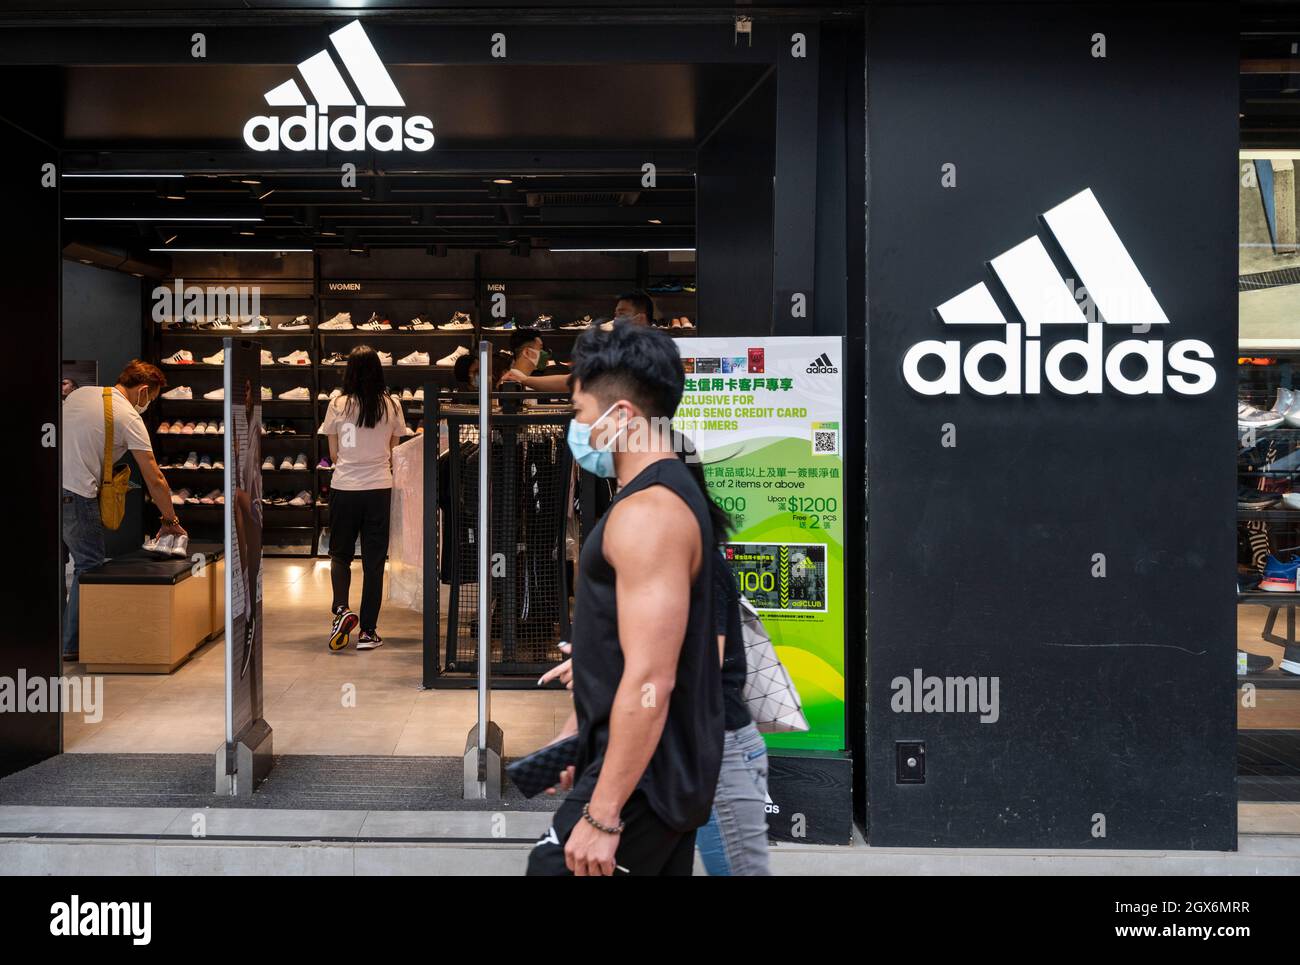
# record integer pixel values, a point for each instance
(368, 640)
(345, 621)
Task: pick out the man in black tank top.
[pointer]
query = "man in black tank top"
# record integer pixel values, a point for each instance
(646, 681)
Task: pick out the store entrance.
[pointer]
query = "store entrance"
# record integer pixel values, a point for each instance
(420, 258)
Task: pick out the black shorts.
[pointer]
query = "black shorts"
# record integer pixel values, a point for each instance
(647, 846)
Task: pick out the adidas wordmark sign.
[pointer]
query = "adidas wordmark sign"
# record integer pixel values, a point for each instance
(352, 130)
(1114, 288)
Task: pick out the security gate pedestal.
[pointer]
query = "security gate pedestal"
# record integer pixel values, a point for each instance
(239, 773)
(483, 764)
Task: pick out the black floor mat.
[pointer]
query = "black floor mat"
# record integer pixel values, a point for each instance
(310, 782)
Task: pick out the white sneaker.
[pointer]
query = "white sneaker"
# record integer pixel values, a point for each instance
(218, 464)
(415, 358)
(205, 461)
(180, 357)
(299, 394)
(213, 429)
(385, 358)
(449, 361)
(298, 357)
(268, 464)
(179, 497)
(266, 357)
(343, 320)
(302, 499)
(407, 394)
(418, 395)
(180, 392)
(266, 393)
(191, 461)
(216, 395)
(301, 462)
(300, 323)
(201, 429)
(259, 323)
(375, 324)
(418, 324)
(286, 464)
(459, 322)
(1249, 417)
(218, 359)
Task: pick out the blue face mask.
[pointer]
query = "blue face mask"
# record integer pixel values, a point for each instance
(599, 462)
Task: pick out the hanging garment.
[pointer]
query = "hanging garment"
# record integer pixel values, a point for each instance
(406, 526)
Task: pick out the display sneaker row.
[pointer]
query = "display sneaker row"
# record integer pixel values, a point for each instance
(214, 497)
(183, 393)
(671, 286)
(190, 428)
(297, 463)
(302, 497)
(186, 357)
(224, 323)
(195, 461)
(1250, 498)
(542, 323)
(342, 322)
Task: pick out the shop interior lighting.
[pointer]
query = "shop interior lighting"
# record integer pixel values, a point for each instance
(168, 218)
(233, 250)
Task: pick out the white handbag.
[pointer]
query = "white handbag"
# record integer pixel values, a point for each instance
(769, 692)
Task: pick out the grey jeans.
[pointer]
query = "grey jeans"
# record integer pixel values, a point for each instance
(83, 535)
(734, 841)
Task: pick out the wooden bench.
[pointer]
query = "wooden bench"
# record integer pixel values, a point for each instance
(144, 614)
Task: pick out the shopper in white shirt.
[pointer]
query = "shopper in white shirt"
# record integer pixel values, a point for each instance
(83, 472)
(363, 424)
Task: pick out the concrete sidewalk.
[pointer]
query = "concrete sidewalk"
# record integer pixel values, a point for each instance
(241, 841)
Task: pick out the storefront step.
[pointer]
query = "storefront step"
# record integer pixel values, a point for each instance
(162, 841)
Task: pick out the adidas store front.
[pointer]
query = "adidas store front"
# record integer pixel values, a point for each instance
(1003, 631)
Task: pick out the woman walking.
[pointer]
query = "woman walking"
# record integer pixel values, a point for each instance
(363, 424)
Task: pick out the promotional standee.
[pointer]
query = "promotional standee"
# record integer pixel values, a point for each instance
(764, 415)
(246, 756)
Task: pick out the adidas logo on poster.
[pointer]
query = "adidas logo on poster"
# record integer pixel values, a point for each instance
(821, 365)
(1113, 288)
(315, 129)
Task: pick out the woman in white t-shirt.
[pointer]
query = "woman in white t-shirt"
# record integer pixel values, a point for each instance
(363, 424)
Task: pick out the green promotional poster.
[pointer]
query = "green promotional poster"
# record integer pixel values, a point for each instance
(765, 417)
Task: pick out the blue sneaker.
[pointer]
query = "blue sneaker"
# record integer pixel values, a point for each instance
(1279, 576)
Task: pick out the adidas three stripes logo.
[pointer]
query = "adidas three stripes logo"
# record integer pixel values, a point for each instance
(1112, 292)
(315, 129)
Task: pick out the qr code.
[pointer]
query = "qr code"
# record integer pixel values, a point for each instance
(826, 442)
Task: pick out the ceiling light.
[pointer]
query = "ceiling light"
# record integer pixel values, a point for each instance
(168, 240)
(150, 175)
(502, 181)
(168, 218)
(622, 249)
(249, 181)
(265, 194)
(233, 250)
(655, 221)
(247, 234)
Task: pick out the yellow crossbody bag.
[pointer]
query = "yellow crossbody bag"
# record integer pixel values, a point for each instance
(112, 492)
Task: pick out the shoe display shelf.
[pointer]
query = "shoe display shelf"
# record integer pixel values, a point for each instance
(1268, 461)
(287, 530)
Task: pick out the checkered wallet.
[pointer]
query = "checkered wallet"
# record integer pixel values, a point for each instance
(541, 769)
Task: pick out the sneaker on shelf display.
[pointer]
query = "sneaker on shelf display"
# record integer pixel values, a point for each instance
(460, 322)
(415, 358)
(217, 359)
(258, 323)
(297, 394)
(338, 323)
(376, 324)
(298, 357)
(449, 361)
(299, 323)
(180, 357)
(180, 392)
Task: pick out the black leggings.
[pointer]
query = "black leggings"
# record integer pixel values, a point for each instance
(363, 512)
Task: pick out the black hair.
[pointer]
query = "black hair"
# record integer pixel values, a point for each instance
(522, 337)
(631, 362)
(642, 302)
(461, 369)
(363, 384)
(718, 516)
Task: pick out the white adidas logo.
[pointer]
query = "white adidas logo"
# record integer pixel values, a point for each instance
(1112, 288)
(315, 130)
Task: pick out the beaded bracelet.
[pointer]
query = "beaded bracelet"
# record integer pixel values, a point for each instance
(586, 814)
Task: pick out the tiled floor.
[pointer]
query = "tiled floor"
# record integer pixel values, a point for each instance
(317, 702)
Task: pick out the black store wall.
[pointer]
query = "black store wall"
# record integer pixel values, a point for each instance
(1115, 724)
